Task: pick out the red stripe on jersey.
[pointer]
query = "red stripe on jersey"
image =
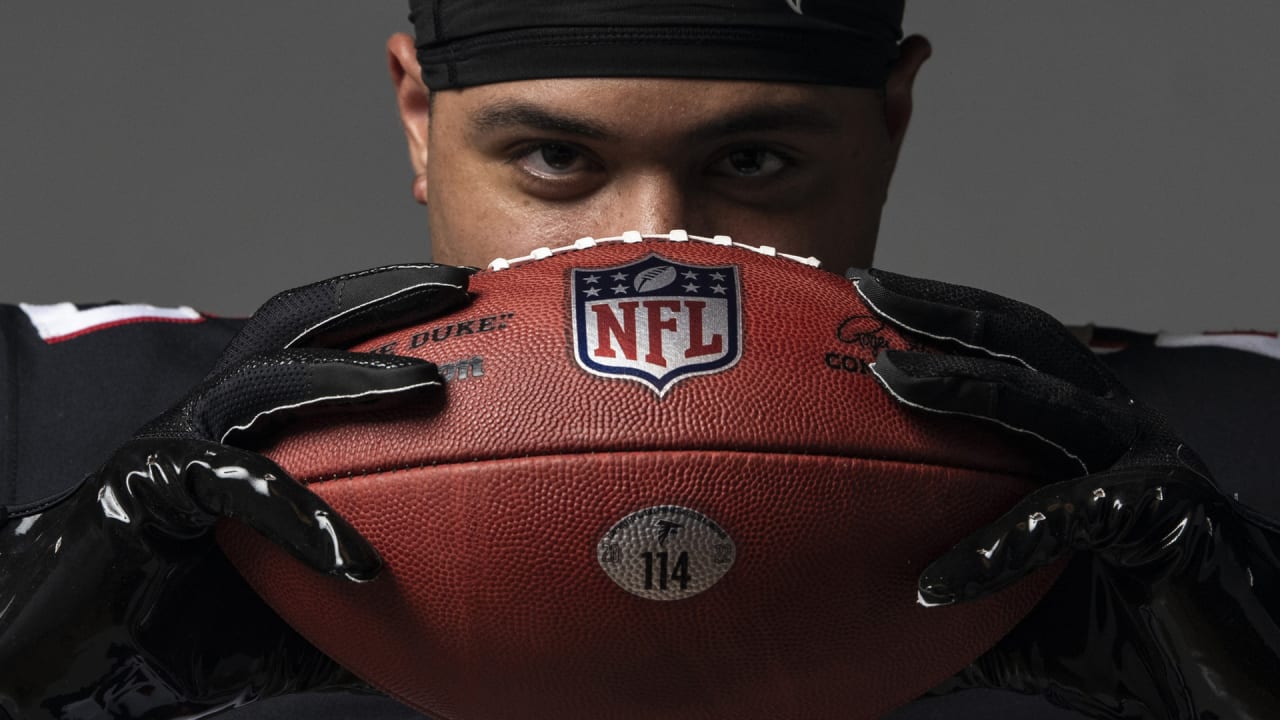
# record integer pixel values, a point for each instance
(117, 323)
(64, 321)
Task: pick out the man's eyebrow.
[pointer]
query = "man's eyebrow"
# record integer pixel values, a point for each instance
(770, 118)
(511, 114)
(792, 117)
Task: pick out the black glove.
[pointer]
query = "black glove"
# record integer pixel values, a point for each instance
(1169, 607)
(115, 601)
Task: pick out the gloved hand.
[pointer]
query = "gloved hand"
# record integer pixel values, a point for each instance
(115, 600)
(1169, 606)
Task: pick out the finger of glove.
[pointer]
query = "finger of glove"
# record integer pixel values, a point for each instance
(280, 387)
(251, 489)
(342, 311)
(983, 322)
(1135, 518)
(1088, 430)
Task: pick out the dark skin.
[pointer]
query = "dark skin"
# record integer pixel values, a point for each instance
(509, 167)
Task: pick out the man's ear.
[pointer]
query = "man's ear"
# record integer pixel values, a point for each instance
(415, 109)
(898, 88)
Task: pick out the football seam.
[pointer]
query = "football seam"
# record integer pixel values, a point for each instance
(351, 475)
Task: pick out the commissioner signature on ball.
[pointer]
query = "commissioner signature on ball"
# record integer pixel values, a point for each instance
(867, 331)
(863, 331)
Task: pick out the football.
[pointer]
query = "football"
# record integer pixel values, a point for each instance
(661, 482)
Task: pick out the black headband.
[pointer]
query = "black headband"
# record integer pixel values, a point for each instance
(832, 42)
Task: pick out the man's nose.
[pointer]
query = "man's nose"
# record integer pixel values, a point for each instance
(654, 204)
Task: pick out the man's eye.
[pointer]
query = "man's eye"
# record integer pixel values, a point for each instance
(552, 160)
(751, 163)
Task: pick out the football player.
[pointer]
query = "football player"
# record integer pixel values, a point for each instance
(775, 121)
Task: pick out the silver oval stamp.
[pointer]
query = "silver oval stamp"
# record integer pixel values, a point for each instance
(666, 552)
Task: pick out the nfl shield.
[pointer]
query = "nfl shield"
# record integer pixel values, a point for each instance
(656, 321)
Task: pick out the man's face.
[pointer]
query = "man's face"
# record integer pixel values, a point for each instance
(509, 167)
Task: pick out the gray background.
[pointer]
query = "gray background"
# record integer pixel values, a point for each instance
(1109, 161)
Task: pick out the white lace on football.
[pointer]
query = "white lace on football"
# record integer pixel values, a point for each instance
(631, 236)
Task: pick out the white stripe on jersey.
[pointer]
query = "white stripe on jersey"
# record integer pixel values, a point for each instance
(1260, 343)
(63, 321)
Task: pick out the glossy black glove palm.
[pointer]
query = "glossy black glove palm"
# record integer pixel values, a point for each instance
(114, 599)
(1169, 607)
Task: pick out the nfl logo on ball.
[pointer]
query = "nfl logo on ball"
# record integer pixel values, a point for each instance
(656, 321)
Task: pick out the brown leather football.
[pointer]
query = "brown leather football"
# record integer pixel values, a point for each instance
(661, 483)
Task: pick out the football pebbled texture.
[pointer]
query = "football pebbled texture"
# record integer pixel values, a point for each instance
(661, 483)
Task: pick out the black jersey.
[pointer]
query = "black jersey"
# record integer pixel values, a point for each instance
(76, 381)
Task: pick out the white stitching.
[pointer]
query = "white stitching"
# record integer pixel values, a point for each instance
(313, 401)
(875, 372)
(881, 313)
